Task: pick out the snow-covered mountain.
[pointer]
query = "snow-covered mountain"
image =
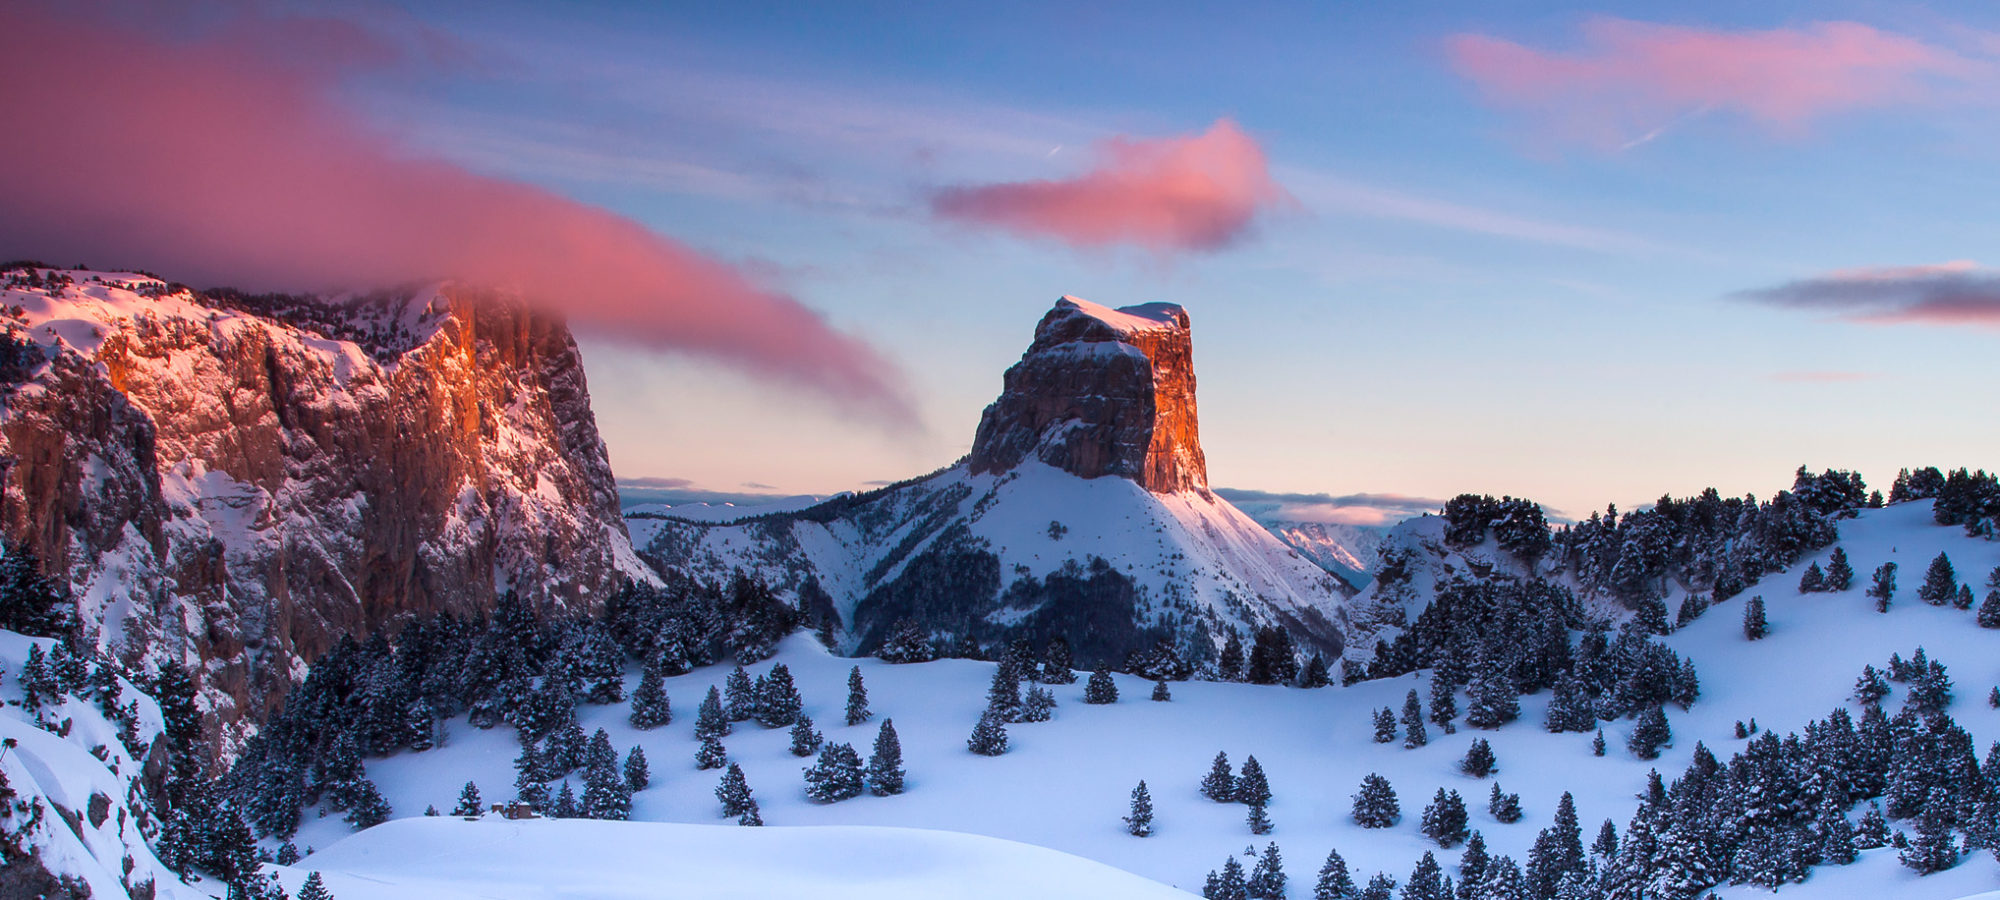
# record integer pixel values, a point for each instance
(240, 481)
(1083, 511)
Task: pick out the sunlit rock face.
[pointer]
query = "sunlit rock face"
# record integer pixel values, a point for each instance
(1101, 392)
(237, 483)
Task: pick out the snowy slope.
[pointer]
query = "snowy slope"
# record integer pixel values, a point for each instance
(1191, 556)
(95, 823)
(493, 858)
(1065, 783)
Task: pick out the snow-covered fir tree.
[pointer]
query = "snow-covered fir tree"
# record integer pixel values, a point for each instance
(1335, 882)
(733, 792)
(1219, 784)
(885, 765)
(1882, 586)
(739, 696)
(1813, 581)
(711, 720)
(857, 698)
(1228, 884)
(1385, 725)
(805, 738)
(1267, 879)
(1414, 735)
(1940, 582)
(1139, 820)
(469, 803)
(1650, 734)
(1038, 705)
(1258, 817)
(1100, 688)
(1160, 692)
(1755, 626)
(836, 776)
(1839, 573)
(989, 737)
(711, 754)
(778, 701)
(1426, 881)
(650, 706)
(1504, 806)
(1375, 804)
(565, 806)
(314, 888)
(1445, 819)
(1478, 761)
(638, 775)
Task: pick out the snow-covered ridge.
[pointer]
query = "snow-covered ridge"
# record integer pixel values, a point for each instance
(1130, 319)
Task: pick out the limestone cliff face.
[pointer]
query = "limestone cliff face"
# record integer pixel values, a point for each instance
(1101, 392)
(238, 482)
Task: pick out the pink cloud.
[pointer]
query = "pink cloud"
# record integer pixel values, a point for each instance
(1632, 80)
(1195, 192)
(220, 160)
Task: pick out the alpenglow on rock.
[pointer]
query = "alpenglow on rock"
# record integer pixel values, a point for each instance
(238, 482)
(1101, 391)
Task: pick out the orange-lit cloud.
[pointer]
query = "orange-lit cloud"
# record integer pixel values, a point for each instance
(1631, 80)
(1953, 293)
(1195, 192)
(221, 160)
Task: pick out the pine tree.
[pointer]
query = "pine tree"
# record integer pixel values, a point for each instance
(1219, 784)
(1597, 743)
(885, 766)
(529, 786)
(367, 809)
(1267, 880)
(1692, 606)
(1755, 627)
(468, 801)
(1058, 665)
(1227, 886)
(1139, 822)
(314, 888)
(739, 696)
(650, 706)
(711, 754)
(1003, 695)
(857, 698)
(1375, 804)
(751, 817)
(1258, 819)
(605, 792)
(1558, 850)
(1940, 582)
(1316, 674)
(1650, 734)
(1839, 574)
(1837, 845)
(805, 739)
(733, 792)
(1478, 761)
(1935, 848)
(1504, 806)
(778, 701)
(1870, 688)
(1426, 881)
(638, 775)
(1494, 701)
(1445, 819)
(1335, 883)
(1160, 692)
(1101, 688)
(1039, 705)
(1964, 598)
(1884, 586)
(1606, 845)
(836, 776)
(565, 806)
(1414, 735)
(1444, 704)
(1251, 786)
(1380, 887)
(1873, 831)
(710, 721)
(1230, 665)
(1385, 725)
(989, 737)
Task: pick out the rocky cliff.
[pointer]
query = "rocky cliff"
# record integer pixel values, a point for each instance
(1083, 511)
(1101, 392)
(237, 482)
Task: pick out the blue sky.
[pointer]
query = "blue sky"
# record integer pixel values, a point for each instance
(1458, 294)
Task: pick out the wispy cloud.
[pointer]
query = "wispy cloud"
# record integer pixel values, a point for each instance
(1191, 192)
(1954, 293)
(1628, 78)
(1821, 377)
(1326, 193)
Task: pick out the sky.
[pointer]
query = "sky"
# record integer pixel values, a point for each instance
(1580, 253)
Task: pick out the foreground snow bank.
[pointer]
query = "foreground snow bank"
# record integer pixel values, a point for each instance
(497, 858)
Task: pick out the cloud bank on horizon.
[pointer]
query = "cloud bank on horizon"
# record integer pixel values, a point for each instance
(222, 159)
(1630, 80)
(1185, 193)
(1953, 293)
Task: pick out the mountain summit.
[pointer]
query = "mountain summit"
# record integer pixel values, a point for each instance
(1083, 512)
(1101, 392)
